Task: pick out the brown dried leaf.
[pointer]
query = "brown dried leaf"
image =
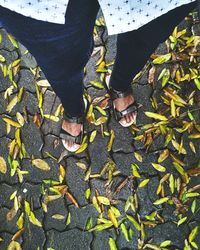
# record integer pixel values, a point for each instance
(193, 171)
(151, 77)
(18, 234)
(11, 214)
(72, 199)
(37, 120)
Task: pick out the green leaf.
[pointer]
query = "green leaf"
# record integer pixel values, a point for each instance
(112, 244)
(181, 221)
(165, 78)
(156, 116)
(143, 183)
(89, 223)
(179, 168)
(124, 231)
(197, 83)
(13, 40)
(96, 84)
(135, 168)
(87, 193)
(104, 200)
(2, 58)
(158, 167)
(134, 222)
(193, 234)
(165, 243)
(193, 206)
(191, 194)
(162, 58)
(161, 201)
(58, 216)
(102, 227)
(34, 220)
(68, 221)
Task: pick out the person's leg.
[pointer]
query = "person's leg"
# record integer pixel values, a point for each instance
(135, 47)
(61, 51)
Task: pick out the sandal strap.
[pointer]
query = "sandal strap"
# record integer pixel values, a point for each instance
(73, 119)
(120, 114)
(66, 136)
(117, 94)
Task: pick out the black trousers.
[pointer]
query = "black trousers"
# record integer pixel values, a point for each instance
(62, 50)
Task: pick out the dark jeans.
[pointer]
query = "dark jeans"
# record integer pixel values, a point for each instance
(62, 51)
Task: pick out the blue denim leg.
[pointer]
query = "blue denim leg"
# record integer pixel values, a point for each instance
(135, 47)
(61, 51)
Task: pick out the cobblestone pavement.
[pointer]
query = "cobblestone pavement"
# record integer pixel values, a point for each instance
(112, 184)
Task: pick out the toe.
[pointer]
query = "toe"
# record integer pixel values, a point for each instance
(132, 116)
(123, 121)
(70, 146)
(128, 118)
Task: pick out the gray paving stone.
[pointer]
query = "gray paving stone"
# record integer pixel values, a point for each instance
(29, 101)
(2, 128)
(6, 239)
(66, 240)
(75, 181)
(8, 226)
(168, 212)
(99, 185)
(142, 94)
(80, 216)
(98, 158)
(111, 48)
(157, 144)
(51, 127)
(50, 104)
(52, 145)
(95, 92)
(26, 80)
(6, 43)
(48, 101)
(3, 103)
(27, 59)
(34, 236)
(124, 161)
(101, 239)
(191, 159)
(6, 191)
(37, 175)
(56, 207)
(4, 141)
(5, 83)
(123, 244)
(126, 191)
(32, 193)
(10, 56)
(168, 231)
(147, 195)
(32, 138)
(91, 73)
(123, 138)
(98, 39)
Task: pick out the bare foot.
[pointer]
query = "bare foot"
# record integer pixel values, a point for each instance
(122, 103)
(73, 129)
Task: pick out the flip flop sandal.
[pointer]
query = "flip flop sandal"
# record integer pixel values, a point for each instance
(77, 140)
(133, 107)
